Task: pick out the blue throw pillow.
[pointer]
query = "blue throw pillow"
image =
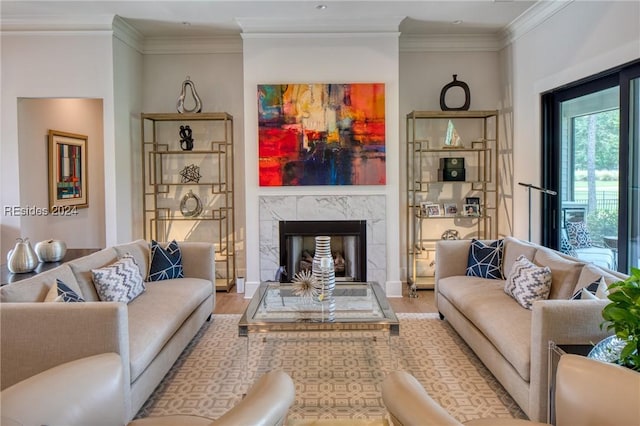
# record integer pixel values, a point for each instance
(65, 293)
(484, 260)
(166, 263)
(565, 246)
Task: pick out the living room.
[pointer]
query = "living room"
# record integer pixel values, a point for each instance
(107, 73)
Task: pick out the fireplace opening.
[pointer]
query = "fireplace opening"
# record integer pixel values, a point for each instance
(348, 246)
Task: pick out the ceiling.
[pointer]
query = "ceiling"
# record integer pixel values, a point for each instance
(205, 18)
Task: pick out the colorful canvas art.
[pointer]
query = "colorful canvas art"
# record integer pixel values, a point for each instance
(321, 134)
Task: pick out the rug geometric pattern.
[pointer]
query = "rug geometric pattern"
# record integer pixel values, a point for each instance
(337, 375)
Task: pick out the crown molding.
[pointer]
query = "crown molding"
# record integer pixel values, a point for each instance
(57, 23)
(319, 35)
(319, 26)
(127, 34)
(450, 43)
(192, 45)
(531, 18)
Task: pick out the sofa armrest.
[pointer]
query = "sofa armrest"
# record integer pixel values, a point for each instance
(451, 258)
(38, 336)
(565, 322)
(199, 260)
(87, 391)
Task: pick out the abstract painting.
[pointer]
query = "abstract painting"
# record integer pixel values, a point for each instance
(321, 134)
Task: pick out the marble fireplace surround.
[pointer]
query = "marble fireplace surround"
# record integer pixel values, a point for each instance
(371, 208)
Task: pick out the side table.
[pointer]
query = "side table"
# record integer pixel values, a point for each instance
(71, 254)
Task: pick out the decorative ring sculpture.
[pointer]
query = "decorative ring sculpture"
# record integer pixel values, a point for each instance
(450, 234)
(190, 211)
(183, 94)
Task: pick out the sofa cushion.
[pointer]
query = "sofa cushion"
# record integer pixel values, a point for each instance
(60, 292)
(500, 319)
(485, 260)
(166, 262)
(514, 248)
(119, 282)
(564, 272)
(158, 314)
(139, 249)
(35, 289)
(527, 282)
(82, 270)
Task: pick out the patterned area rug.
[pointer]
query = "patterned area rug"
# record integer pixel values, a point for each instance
(337, 374)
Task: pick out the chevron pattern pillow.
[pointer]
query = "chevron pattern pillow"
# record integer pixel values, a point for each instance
(119, 282)
(166, 263)
(528, 282)
(66, 294)
(484, 260)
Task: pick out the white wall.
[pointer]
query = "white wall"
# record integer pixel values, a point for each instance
(127, 75)
(35, 118)
(53, 65)
(326, 58)
(580, 40)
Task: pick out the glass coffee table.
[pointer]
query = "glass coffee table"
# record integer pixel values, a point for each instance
(358, 307)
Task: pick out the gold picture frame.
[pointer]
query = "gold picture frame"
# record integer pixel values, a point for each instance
(68, 173)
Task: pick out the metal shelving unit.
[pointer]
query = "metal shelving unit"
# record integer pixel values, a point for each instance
(425, 146)
(188, 195)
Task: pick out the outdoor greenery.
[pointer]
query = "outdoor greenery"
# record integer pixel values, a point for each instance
(602, 223)
(607, 126)
(623, 316)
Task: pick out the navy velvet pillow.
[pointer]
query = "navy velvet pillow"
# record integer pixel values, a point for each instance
(166, 263)
(484, 260)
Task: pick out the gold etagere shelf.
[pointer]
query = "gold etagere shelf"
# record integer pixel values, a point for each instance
(425, 147)
(200, 205)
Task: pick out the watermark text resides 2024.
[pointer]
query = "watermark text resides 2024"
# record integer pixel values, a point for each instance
(39, 211)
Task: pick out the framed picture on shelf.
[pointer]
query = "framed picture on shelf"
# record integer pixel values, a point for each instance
(473, 200)
(432, 210)
(450, 209)
(472, 210)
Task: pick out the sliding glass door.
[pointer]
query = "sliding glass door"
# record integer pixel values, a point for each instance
(633, 234)
(590, 157)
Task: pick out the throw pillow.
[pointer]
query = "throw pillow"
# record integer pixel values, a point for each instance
(166, 263)
(588, 292)
(565, 246)
(528, 282)
(119, 282)
(60, 292)
(484, 260)
(578, 233)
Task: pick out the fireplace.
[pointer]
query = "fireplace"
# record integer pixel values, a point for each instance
(348, 245)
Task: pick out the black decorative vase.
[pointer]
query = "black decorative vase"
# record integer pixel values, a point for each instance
(467, 95)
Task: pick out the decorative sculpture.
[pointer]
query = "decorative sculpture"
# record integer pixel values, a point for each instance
(186, 141)
(467, 95)
(183, 94)
(190, 173)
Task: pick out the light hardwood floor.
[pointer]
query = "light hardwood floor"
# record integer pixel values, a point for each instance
(234, 303)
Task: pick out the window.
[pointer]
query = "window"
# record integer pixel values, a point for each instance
(590, 155)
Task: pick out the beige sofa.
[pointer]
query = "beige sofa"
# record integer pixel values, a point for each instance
(149, 333)
(510, 340)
